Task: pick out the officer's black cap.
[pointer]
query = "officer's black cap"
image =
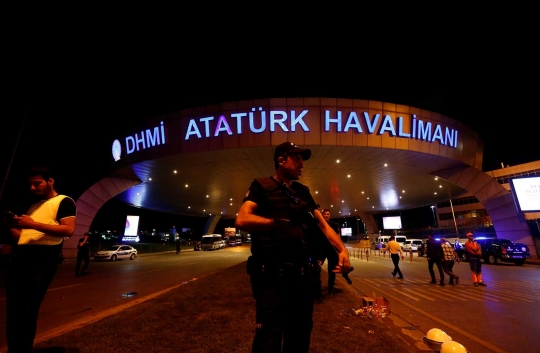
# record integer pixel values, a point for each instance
(291, 148)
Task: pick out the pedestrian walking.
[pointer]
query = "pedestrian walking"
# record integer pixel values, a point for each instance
(434, 257)
(178, 243)
(283, 219)
(474, 253)
(395, 253)
(449, 258)
(83, 255)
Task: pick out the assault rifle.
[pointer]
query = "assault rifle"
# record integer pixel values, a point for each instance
(310, 226)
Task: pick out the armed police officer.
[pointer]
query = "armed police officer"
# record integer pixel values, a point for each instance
(284, 222)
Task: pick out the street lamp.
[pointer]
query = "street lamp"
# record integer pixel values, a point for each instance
(358, 228)
(434, 219)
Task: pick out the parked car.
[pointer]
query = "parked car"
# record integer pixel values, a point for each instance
(115, 252)
(460, 250)
(238, 242)
(497, 249)
(412, 244)
(383, 239)
(223, 244)
(400, 239)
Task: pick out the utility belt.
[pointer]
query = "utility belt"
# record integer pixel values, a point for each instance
(284, 269)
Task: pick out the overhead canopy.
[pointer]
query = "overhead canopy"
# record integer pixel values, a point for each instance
(367, 156)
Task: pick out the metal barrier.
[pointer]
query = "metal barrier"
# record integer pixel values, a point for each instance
(360, 252)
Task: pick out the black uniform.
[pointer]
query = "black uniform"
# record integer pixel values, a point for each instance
(281, 270)
(83, 255)
(435, 256)
(178, 245)
(333, 259)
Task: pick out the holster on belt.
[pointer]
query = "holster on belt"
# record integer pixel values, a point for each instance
(280, 269)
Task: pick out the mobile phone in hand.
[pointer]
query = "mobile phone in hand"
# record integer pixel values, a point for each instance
(7, 215)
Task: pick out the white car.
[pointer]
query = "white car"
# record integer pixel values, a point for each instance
(412, 244)
(115, 252)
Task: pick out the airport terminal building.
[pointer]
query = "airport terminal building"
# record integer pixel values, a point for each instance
(368, 157)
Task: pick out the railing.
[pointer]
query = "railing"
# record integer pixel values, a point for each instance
(362, 253)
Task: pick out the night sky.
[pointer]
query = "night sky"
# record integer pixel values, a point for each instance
(66, 115)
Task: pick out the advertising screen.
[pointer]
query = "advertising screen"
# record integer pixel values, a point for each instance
(526, 192)
(346, 232)
(132, 225)
(393, 222)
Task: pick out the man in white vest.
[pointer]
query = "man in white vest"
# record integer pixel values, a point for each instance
(39, 236)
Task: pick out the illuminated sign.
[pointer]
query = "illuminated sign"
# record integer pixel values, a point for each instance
(259, 120)
(131, 238)
(116, 150)
(526, 193)
(148, 138)
(132, 225)
(417, 129)
(393, 222)
(276, 118)
(346, 232)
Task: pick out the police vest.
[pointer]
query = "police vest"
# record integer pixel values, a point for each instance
(284, 244)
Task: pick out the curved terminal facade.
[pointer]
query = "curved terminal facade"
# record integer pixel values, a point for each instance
(367, 157)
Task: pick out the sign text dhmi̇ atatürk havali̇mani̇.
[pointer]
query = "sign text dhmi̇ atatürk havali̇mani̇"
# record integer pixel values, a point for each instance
(273, 120)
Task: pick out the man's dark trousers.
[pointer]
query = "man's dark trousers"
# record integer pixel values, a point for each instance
(438, 263)
(82, 257)
(28, 277)
(284, 311)
(395, 260)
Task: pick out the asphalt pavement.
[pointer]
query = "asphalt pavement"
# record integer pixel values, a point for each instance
(156, 324)
(141, 312)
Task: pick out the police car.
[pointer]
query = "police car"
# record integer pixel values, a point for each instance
(497, 249)
(116, 252)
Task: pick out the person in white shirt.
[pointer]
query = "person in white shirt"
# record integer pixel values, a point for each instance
(39, 235)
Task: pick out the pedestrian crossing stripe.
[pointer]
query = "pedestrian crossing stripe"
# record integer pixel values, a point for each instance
(419, 290)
